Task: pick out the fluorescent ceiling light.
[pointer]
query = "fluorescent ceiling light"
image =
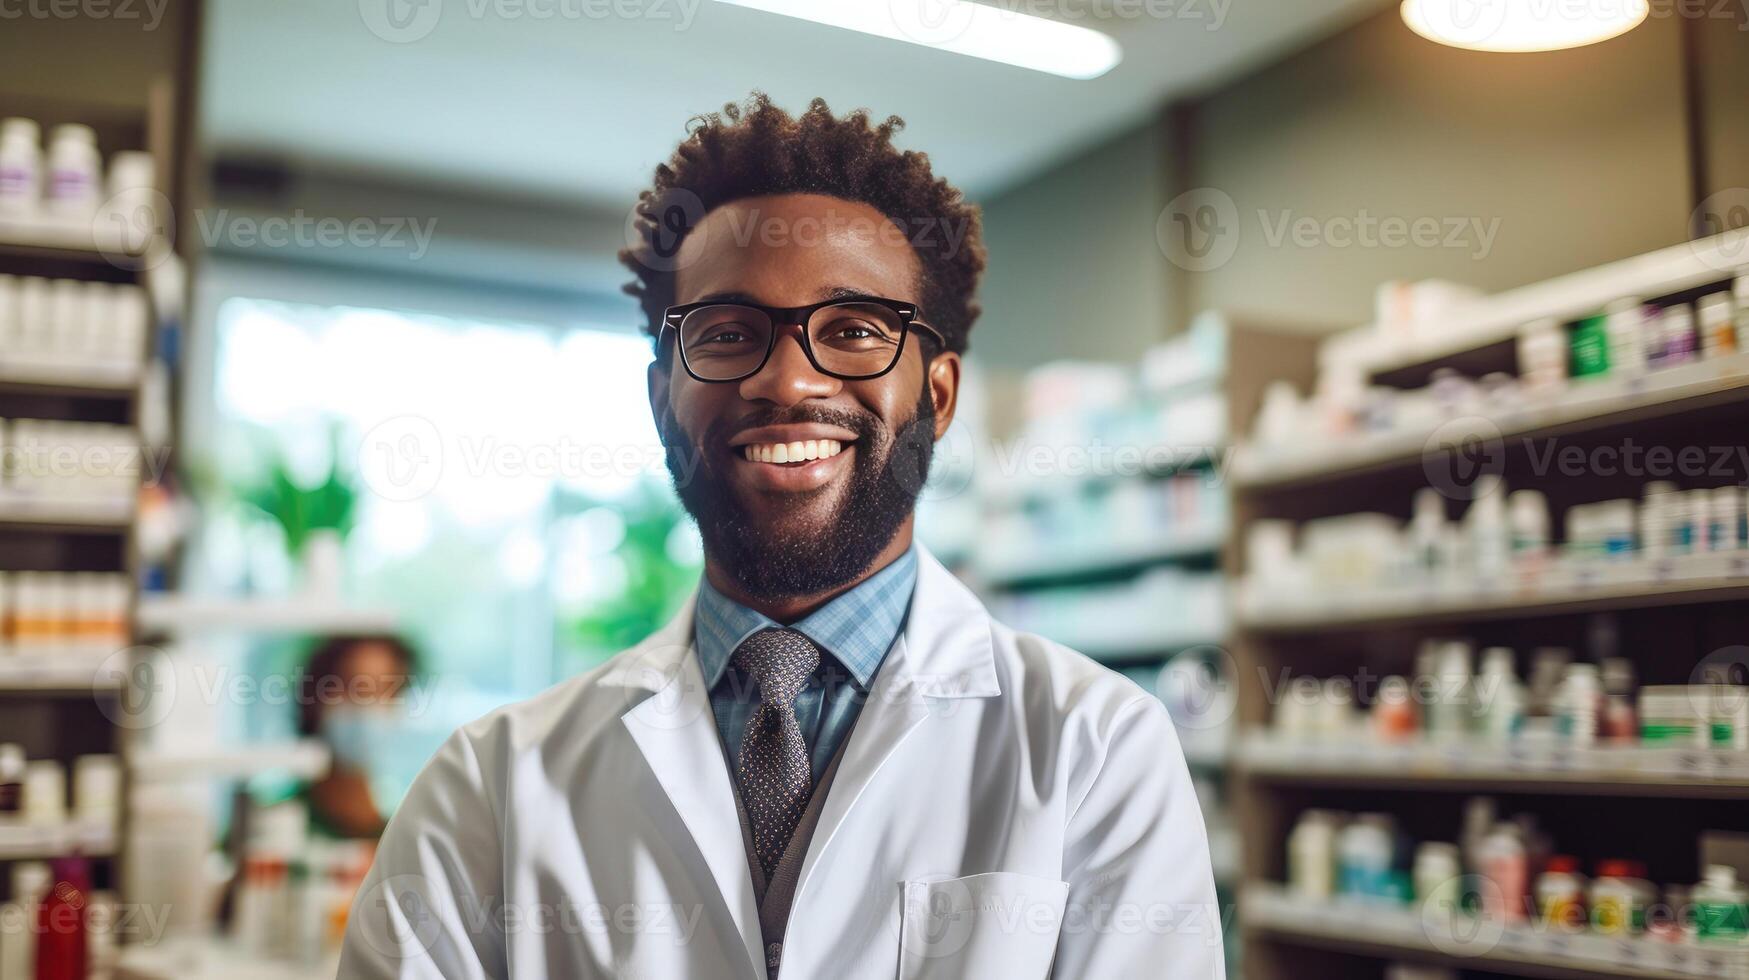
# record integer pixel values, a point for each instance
(1522, 25)
(963, 27)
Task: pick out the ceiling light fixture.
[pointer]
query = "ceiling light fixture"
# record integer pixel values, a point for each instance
(1518, 25)
(963, 27)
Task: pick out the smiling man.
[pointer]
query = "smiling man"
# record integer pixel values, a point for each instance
(833, 762)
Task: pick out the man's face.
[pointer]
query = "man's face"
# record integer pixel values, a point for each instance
(795, 529)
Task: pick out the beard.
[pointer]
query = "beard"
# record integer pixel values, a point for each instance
(789, 555)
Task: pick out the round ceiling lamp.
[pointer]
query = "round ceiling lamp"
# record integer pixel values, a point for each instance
(1523, 25)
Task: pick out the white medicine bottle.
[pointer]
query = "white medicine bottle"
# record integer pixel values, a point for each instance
(21, 166)
(74, 170)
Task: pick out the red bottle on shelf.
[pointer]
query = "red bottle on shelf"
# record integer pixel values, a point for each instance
(62, 946)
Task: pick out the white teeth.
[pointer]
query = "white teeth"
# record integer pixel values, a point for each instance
(791, 452)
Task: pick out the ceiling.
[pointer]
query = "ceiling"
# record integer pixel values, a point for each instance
(549, 99)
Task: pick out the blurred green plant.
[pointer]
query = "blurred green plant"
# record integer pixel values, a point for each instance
(302, 510)
(655, 580)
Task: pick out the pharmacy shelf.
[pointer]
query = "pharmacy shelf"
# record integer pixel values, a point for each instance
(173, 615)
(1161, 460)
(1127, 645)
(86, 238)
(302, 759)
(1582, 406)
(117, 380)
(37, 674)
(1378, 930)
(1101, 557)
(212, 960)
(1475, 766)
(66, 514)
(1634, 589)
(1498, 318)
(23, 842)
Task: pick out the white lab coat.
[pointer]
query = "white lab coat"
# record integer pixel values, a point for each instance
(1004, 808)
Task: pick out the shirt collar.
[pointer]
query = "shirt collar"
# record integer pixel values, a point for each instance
(857, 627)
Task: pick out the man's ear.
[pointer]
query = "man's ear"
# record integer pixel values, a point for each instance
(944, 389)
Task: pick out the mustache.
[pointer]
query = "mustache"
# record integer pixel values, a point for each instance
(864, 424)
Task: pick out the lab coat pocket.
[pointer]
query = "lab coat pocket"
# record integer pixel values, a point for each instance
(1001, 925)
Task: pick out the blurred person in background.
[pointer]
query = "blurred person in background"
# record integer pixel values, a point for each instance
(349, 695)
(833, 762)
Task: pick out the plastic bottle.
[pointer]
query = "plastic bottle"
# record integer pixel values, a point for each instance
(21, 166)
(1311, 849)
(1479, 819)
(1679, 518)
(1725, 516)
(1427, 529)
(1489, 534)
(1499, 694)
(45, 793)
(1619, 898)
(1718, 328)
(74, 170)
(1588, 349)
(1619, 723)
(1740, 298)
(1528, 513)
(1655, 529)
(1449, 708)
(1542, 359)
(1437, 877)
(1653, 339)
(1721, 906)
(63, 949)
(1560, 894)
(1627, 353)
(11, 781)
(1679, 336)
(1393, 714)
(1364, 852)
(1503, 862)
(1581, 702)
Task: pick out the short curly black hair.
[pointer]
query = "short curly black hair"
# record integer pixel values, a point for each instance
(759, 149)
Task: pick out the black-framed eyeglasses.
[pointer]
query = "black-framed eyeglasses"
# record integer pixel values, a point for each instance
(852, 338)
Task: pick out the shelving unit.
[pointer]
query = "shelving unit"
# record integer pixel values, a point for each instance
(298, 615)
(1374, 932)
(77, 701)
(1669, 614)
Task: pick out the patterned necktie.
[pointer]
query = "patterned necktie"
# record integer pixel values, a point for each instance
(773, 769)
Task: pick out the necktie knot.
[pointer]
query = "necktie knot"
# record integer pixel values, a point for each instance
(780, 661)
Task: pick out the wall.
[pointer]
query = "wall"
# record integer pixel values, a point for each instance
(1074, 271)
(1568, 159)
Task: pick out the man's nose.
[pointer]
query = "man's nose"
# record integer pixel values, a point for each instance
(788, 376)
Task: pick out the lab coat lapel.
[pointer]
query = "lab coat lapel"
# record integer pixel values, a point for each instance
(945, 653)
(677, 732)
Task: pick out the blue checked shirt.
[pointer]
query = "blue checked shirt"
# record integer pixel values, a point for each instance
(855, 630)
